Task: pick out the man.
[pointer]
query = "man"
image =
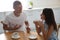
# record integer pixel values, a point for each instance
(16, 20)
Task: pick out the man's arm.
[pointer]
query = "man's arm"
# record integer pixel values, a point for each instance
(27, 26)
(5, 26)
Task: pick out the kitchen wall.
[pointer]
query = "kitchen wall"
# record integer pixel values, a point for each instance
(46, 3)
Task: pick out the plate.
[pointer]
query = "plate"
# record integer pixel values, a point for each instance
(15, 35)
(32, 37)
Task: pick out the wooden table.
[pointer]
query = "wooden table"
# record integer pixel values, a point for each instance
(24, 36)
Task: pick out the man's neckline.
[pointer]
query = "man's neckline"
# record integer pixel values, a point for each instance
(16, 15)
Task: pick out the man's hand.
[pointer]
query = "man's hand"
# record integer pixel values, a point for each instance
(17, 27)
(5, 26)
(26, 23)
(28, 29)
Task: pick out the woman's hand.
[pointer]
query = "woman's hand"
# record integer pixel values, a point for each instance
(35, 22)
(38, 29)
(43, 30)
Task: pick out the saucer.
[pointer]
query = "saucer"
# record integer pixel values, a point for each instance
(15, 35)
(32, 37)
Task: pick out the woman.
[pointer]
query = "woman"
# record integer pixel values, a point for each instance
(48, 25)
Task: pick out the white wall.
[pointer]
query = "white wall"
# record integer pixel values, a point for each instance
(7, 5)
(2, 17)
(46, 3)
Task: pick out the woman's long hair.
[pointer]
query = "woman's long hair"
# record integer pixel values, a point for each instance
(49, 17)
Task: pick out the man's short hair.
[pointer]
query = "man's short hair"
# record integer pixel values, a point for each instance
(16, 3)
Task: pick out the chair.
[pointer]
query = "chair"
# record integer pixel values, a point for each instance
(58, 26)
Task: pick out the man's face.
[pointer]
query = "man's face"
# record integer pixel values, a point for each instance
(18, 8)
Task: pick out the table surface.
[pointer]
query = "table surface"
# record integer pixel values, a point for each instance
(23, 36)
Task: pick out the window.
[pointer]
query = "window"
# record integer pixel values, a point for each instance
(7, 5)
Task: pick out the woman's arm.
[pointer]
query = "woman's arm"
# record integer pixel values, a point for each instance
(38, 29)
(50, 30)
(43, 30)
(46, 34)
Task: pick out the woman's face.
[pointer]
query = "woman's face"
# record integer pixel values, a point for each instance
(42, 16)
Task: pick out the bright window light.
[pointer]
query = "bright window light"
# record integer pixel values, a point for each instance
(7, 5)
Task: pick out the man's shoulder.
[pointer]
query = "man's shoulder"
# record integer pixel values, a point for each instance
(23, 13)
(10, 14)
